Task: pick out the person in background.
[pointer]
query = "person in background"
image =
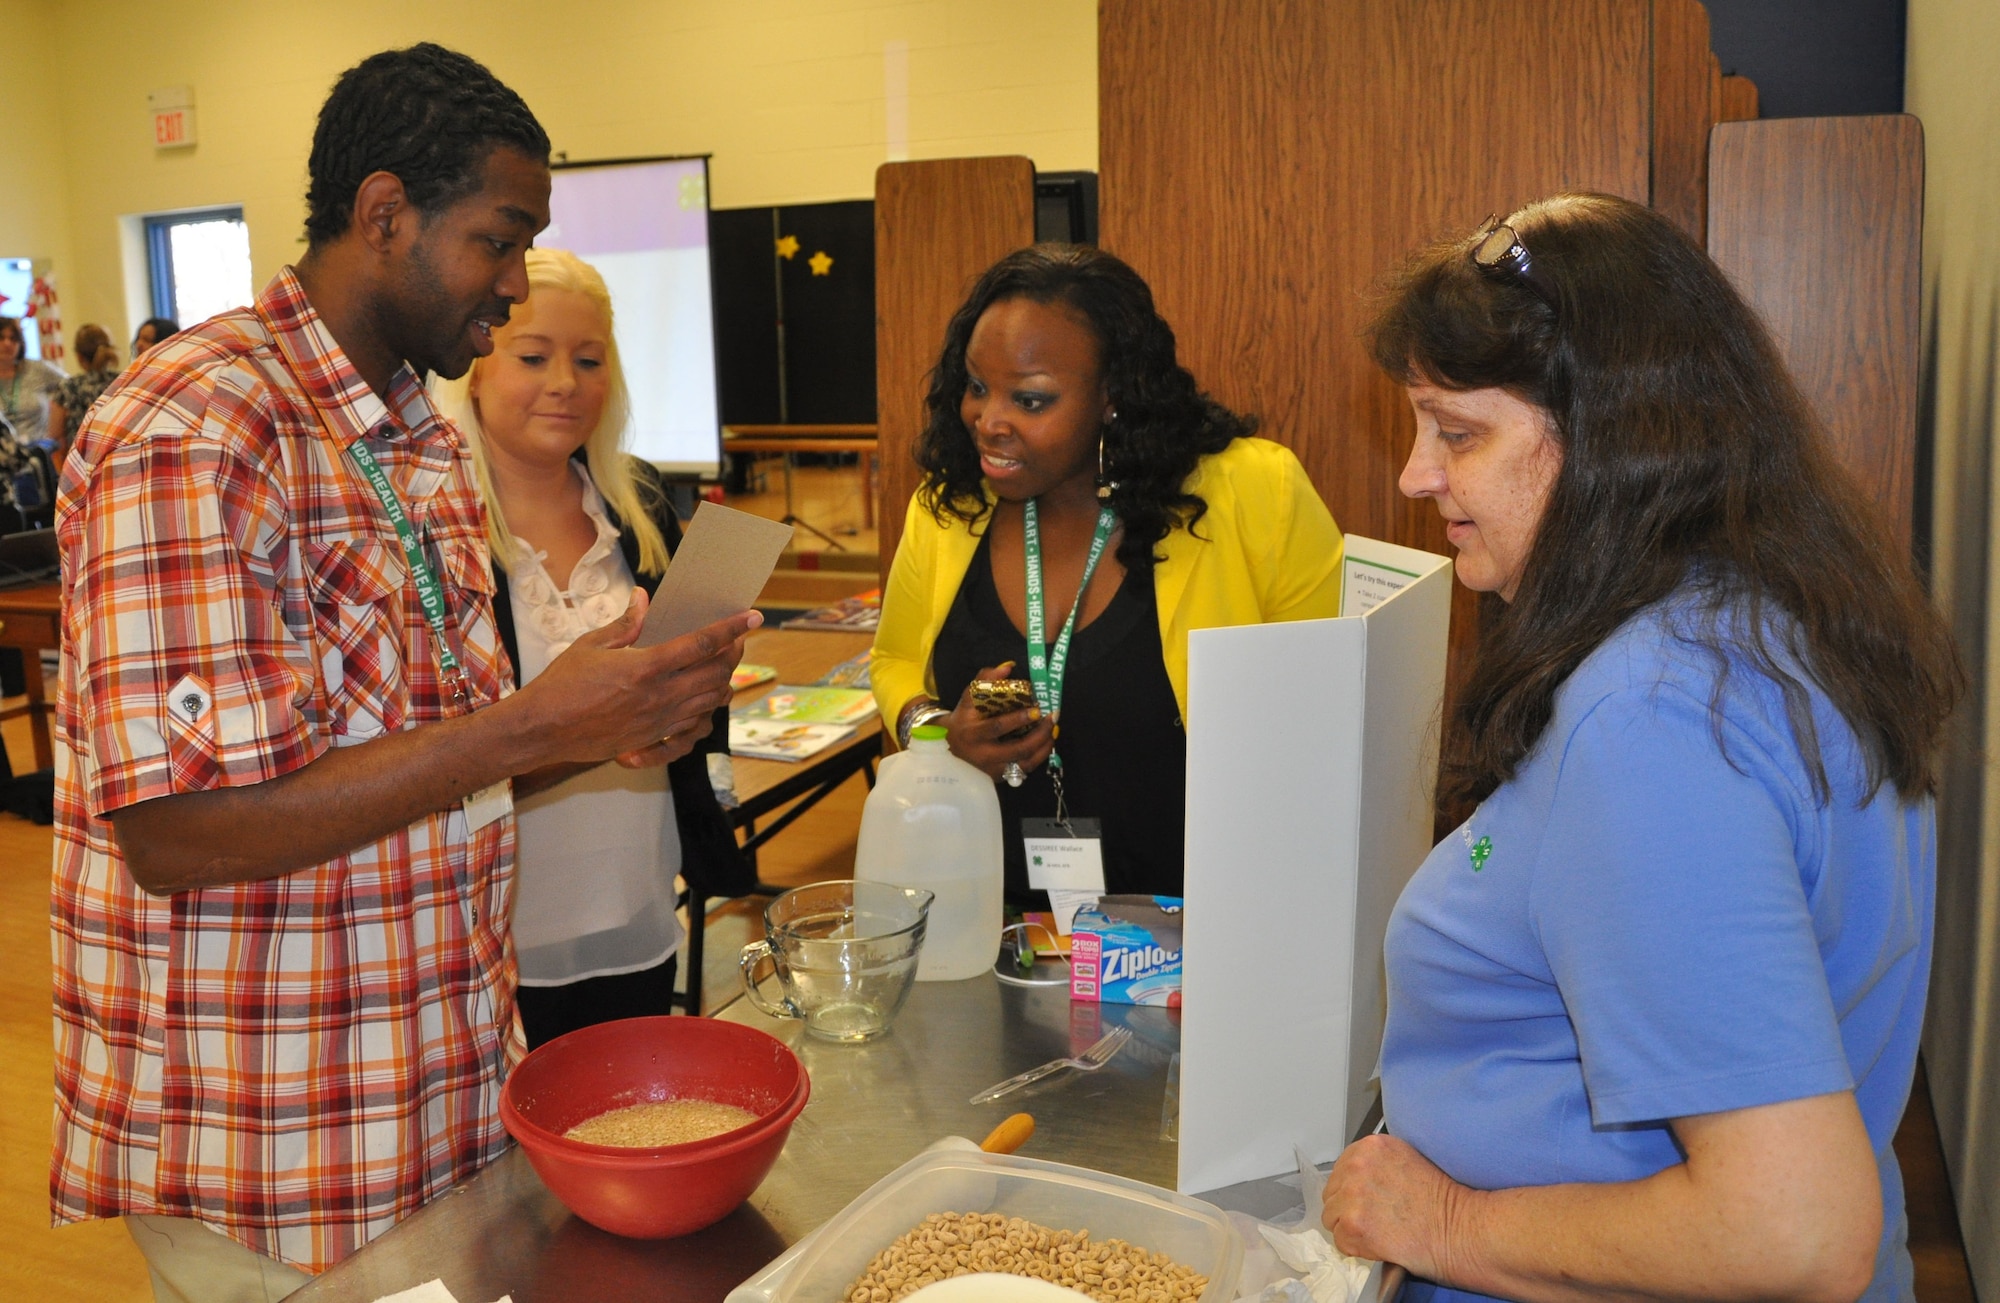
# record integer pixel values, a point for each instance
(1653, 1010)
(284, 865)
(573, 522)
(1068, 454)
(74, 395)
(26, 385)
(151, 331)
(27, 469)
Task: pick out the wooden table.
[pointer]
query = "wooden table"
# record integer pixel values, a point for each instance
(788, 439)
(800, 656)
(31, 619)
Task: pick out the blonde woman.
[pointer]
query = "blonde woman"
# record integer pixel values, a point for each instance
(574, 523)
(73, 397)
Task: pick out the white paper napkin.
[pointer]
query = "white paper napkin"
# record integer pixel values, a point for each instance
(1322, 1273)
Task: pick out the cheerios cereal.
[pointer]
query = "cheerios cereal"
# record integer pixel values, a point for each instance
(944, 1245)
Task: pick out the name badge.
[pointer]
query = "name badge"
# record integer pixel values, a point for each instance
(489, 804)
(1067, 862)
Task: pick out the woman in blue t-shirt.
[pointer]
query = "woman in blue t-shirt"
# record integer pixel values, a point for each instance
(1654, 1008)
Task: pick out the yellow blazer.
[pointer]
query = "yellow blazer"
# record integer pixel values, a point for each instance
(1266, 550)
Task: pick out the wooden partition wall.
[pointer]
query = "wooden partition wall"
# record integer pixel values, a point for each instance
(938, 225)
(1264, 163)
(1687, 98)
(1819, 221)
(1739, 100)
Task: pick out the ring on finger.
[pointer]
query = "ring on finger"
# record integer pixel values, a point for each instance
(1012, 774)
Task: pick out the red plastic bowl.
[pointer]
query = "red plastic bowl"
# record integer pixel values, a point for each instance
(672, 1189)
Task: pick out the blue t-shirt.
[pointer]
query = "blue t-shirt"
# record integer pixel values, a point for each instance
(1639, 927)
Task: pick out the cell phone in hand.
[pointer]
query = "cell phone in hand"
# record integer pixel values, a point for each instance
(992, 697)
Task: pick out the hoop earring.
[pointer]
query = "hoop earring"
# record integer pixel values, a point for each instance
(1105, 485)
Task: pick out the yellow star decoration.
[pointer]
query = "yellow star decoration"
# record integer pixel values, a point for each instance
(820, 263)
(788, 246)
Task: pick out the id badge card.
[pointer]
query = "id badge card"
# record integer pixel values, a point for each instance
(1067, 862)
(489, 804)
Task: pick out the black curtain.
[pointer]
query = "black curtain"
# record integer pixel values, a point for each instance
(808, 271)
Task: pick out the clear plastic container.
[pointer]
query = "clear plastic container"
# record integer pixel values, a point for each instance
(962, 1178)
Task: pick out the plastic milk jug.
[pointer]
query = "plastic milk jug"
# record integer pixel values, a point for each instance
(933, 822)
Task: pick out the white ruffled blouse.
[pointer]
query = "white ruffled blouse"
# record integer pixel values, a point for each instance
(597, 854)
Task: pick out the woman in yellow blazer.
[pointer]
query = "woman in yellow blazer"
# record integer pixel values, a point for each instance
(1067, 452)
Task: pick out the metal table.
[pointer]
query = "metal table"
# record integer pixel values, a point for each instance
(873, 1107)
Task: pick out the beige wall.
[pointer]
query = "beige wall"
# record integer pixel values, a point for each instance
(789, 96)
(1954, 48)
(34, 186)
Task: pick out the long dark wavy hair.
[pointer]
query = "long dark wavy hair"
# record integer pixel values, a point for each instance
(1689, 457)
(1164, 426)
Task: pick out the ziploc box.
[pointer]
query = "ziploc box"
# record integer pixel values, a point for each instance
(1127, 950)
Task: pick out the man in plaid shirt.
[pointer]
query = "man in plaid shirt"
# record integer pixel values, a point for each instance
(284, 854)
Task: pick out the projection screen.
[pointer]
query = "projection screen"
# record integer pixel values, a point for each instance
(643, 223)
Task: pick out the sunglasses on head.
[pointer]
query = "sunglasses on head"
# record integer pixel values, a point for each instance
(1501, 255)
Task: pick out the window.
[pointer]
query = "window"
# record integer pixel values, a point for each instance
(200, 263)
(17, 282)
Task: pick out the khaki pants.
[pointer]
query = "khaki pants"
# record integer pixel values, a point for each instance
(193, 1264)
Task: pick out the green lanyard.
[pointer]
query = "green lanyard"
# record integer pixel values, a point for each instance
(430, 593)
(1045, 666)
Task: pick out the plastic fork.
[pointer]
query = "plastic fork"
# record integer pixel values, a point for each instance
(1090, 1060)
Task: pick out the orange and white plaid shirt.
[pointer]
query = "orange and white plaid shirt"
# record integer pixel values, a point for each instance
(303, 1061)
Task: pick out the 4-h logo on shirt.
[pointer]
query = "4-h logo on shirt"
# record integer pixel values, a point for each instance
(1479, 851)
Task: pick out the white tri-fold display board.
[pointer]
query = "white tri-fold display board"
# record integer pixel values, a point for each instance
(1312, 767)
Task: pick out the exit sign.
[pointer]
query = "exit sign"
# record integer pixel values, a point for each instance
(173, 116)
(173, 128)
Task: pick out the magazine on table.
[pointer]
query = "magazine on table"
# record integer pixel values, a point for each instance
(857, 614)
(854, 672)
(810, 705)
(778, 739)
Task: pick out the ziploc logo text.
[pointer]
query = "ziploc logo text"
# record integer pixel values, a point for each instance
(1118, 961)
(1130, 965)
